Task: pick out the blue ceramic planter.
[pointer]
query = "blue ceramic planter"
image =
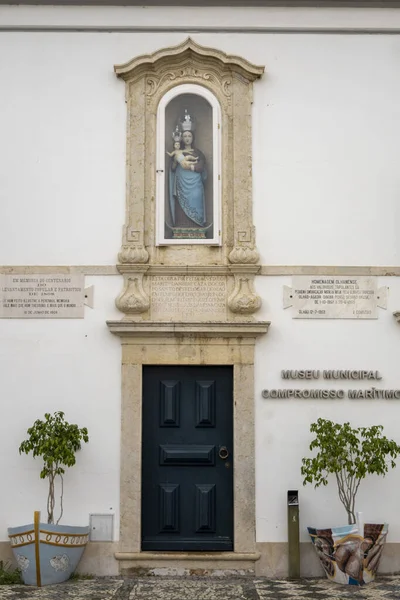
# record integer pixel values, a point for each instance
(47, 554)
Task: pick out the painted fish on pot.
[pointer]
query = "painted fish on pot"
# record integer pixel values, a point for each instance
(46, 553)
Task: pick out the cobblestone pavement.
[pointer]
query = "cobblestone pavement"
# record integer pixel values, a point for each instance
(165, 588)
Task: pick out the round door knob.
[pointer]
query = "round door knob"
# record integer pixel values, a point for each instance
(223, 452)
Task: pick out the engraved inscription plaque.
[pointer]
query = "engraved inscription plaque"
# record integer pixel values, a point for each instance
(333, 297)
(42, 296)
(183, 298)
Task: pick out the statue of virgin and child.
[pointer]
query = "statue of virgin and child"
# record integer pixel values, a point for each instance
(187, 174)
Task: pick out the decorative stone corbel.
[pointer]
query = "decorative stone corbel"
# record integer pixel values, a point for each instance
(133, 255)
(133, 299)
(243, 299)
(244, 255)
(397, 315)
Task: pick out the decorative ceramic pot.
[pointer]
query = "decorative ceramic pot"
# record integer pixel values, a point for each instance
(348, 557)
(47, 554)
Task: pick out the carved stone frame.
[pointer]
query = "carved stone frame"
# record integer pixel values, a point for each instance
(148, 78)
(230, 79)
(187, 344)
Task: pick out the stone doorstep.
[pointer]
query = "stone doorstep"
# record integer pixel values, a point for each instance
(187, 563)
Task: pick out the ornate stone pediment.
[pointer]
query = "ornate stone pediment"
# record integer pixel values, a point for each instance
(188, 59)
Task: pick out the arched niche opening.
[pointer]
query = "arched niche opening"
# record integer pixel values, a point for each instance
(188, 188)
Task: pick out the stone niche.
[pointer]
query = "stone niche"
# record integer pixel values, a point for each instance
(203, 270)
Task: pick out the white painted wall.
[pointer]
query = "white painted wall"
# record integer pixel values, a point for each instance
(326, 121)
(73, 366)
(282, 426)
(326, 129)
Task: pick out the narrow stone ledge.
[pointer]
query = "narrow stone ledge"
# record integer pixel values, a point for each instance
(249, 329)
(189, 556)
(263, 270)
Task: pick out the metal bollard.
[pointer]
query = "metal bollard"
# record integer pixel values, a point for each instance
(293, 534)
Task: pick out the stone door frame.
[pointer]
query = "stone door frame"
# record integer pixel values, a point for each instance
(150, 343)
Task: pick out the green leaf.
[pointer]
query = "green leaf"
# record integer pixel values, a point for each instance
(56, 441)
(350, 454)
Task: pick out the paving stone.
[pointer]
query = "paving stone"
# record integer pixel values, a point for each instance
(203, 588)
(96, 589)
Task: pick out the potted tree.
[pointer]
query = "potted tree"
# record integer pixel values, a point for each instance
(348, 554)
(49, 553)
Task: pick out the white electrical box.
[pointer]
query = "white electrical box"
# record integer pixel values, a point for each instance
(101, 527)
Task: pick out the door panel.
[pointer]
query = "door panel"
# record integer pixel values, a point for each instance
(187, 479)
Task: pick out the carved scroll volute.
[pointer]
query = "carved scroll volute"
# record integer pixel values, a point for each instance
(243, 299)
(133, 255)
(133, 299)
(200, 72)
(244, 255)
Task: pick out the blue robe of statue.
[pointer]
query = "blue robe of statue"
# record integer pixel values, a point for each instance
(187, 188)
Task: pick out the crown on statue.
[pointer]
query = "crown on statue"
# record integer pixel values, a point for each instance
(187, 124)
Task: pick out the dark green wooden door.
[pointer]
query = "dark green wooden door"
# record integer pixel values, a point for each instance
(187, 462)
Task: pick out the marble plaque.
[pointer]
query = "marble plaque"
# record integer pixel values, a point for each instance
(183, 298)
(42, 296)
(331, 297)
